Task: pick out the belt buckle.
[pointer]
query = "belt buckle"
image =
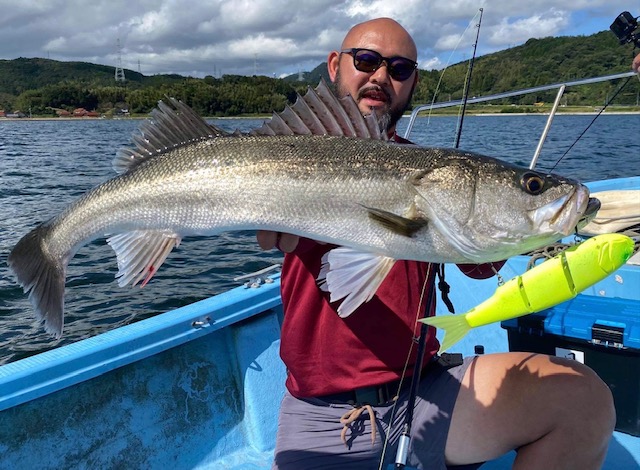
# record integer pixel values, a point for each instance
(369, 396)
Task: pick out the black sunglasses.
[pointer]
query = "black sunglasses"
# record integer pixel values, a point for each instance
(368, 61)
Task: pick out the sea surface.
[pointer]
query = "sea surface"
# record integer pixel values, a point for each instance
(44, 165)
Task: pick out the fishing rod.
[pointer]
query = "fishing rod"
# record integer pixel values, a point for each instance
(626, 29)
(606, 104)
(468, 83)
(405, 437)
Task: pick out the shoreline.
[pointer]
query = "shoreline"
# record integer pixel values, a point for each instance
(130, 118)
(572, 113)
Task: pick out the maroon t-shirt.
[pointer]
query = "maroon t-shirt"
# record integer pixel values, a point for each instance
(326, 354)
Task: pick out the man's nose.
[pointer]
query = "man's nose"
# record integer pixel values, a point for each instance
(381, 75)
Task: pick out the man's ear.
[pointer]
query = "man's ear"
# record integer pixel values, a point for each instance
(333, 61)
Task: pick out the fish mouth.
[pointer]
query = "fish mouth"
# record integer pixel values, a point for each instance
(593, 206)
(565, 214)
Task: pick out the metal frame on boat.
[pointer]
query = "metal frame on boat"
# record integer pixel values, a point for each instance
(200, 386)
(510, 94)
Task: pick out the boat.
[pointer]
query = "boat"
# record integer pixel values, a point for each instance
(200, 386)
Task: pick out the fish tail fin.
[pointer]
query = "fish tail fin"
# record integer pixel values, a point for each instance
(455, 328)
(42, 276)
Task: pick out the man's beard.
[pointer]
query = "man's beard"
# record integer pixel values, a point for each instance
(387, 117)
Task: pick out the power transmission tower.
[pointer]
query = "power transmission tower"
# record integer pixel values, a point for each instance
(119, 69)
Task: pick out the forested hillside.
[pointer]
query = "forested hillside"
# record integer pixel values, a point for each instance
(539, 62)
(46, 86)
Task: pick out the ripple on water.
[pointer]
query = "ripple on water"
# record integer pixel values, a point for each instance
(46, 164)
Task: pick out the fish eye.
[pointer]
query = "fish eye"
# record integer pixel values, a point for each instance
(532, 183)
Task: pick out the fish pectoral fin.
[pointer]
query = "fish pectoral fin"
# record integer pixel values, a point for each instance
(352, 275)
(396, 223)
(140, 253)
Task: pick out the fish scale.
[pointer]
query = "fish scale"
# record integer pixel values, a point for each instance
(381, 200)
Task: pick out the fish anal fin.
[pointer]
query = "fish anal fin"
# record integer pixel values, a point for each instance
(141, 253)
(396, 223)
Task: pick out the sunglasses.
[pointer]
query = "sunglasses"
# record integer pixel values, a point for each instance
(368, 61)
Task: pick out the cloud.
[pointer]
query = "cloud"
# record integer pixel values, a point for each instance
(520, 30)
(274, 37)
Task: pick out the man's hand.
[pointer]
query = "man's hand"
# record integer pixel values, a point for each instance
(285, 242)
(636, 64)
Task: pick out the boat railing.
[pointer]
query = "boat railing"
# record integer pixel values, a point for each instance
(561, 86)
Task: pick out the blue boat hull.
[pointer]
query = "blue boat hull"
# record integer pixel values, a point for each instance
(200, 386)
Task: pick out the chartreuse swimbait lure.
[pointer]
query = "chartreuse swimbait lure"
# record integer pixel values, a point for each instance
(556, 280)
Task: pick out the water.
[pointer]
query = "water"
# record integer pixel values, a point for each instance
(44, 165)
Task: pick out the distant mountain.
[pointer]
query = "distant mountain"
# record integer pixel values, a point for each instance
(536, 62)
(311, 77)
(19, 75)
(44, 83)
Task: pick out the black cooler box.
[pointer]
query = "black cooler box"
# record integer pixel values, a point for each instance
(603, 333)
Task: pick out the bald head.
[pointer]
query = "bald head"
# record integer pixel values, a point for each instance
(381, 30)
(379, 88)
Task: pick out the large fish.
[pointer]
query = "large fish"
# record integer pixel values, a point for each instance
(320, 170)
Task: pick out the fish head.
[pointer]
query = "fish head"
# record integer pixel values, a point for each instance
(489, 210)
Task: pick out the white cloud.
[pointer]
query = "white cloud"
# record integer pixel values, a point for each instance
(281, 35)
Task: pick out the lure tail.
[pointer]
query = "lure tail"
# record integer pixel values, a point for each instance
(455, 328)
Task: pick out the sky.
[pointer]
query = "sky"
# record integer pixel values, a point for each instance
(277, 37)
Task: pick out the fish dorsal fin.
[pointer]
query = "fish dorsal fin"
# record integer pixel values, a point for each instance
(172, 124)
(320, 112)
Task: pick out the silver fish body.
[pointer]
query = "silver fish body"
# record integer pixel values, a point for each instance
(393, 201)
(323, 187)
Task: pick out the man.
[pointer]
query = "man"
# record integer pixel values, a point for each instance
(557, 413)
(636, 64)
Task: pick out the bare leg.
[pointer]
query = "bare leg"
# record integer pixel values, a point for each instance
(557, 413)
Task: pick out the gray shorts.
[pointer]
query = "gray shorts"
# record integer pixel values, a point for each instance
(309, 429)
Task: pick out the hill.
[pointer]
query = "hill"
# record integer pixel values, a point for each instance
(313, 77)
(19, 75)
(43, 85)
(539, 62)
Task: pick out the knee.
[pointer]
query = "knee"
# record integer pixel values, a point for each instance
(590, 402)
(603, 401)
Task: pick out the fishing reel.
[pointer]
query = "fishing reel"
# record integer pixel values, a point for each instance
(625, 28)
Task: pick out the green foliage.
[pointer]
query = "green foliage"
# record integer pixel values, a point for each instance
(554, 60)
(44, 86)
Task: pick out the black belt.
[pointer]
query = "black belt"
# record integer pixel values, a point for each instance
(381, 394)
(376, 396)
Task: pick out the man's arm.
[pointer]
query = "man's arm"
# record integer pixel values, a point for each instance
(288, 243)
